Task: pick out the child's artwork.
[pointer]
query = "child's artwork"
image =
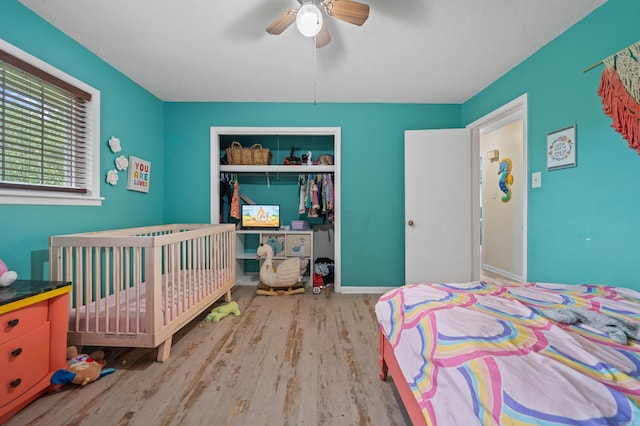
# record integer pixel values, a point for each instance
(139, 173)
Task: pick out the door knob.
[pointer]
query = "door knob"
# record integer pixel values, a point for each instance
(410, 223)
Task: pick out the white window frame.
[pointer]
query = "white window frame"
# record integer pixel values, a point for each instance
(43, 197)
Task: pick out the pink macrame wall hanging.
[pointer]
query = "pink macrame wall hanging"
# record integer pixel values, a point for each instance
(620, 93)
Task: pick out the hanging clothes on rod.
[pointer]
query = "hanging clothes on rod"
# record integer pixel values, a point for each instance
(302, 184)
(225, 197)
(316, 195)
(234, 211)
(312, 197)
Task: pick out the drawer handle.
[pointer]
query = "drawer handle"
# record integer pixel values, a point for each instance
(16, 352)
(14, 322)
(15, 383)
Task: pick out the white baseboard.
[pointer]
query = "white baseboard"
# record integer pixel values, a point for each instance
(365, 290)
(499, 271)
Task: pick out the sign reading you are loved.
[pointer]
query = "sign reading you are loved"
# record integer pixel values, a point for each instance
(139, 172)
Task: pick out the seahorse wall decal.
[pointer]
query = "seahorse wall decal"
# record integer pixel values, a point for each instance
(506, 179)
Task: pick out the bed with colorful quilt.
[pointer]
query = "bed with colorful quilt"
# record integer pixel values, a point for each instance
(482, 353)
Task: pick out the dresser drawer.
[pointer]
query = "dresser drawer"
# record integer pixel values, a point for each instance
(27, 361)
(23, 320)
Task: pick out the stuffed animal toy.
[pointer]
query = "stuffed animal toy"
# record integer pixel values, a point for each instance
(81, 369)
(222, 311)
(6, 276)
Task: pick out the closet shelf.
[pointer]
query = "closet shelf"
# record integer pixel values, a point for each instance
(320, 168)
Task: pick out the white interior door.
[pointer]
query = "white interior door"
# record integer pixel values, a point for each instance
(439, 203)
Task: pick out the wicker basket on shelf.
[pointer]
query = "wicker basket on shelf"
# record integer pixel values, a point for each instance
(261, 156)
(234, 154)
(254, 156)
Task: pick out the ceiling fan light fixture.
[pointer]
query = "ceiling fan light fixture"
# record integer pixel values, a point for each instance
(309, 20)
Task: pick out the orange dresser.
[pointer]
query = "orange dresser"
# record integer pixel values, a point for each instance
(33, 340)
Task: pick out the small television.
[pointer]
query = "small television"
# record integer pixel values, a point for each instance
(257, 216)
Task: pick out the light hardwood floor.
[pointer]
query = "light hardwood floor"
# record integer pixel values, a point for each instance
(286, 360)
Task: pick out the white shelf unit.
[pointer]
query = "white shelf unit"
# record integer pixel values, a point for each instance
(269, 171)
(293, 243)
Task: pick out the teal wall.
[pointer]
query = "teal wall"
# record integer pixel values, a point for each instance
(128, 112)
(372, 172)
(583, 221)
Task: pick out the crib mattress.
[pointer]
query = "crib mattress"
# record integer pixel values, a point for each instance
(125, 312)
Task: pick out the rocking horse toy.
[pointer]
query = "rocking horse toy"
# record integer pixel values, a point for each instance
(285, 279)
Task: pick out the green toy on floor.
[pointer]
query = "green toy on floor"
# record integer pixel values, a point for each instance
(222, 311)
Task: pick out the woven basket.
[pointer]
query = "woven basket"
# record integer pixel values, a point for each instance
(234, 153)
(254, 156)
(261, 156)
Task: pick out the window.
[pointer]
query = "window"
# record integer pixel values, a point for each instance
(49, 127)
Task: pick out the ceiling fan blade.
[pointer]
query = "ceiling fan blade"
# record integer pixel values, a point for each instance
(349, 11)
(282, 22)
(323, 37)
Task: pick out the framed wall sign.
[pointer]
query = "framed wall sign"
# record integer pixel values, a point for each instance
(139, 174)
(561, 148)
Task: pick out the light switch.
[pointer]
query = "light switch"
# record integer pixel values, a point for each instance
(536, 180)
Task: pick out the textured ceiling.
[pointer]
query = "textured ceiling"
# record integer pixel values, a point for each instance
(409, 51)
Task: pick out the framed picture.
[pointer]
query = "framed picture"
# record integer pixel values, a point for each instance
(561, 148)
(139, 174)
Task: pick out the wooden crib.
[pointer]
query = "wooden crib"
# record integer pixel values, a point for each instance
(136, 287)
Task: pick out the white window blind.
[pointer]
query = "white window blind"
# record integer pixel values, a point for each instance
(45, 128)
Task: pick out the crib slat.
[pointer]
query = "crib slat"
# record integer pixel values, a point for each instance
(109, 285)
(93, 296)
(117, 282)
(138, 284)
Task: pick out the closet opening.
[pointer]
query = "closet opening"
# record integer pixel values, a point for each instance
(301, 178)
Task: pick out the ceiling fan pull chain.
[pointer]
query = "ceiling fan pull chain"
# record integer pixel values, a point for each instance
(315, 73)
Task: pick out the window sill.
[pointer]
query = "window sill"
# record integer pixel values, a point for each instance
(48, 198)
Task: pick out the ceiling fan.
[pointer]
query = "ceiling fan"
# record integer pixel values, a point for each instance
(310, 22)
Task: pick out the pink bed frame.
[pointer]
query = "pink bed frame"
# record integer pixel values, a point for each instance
(388, 362)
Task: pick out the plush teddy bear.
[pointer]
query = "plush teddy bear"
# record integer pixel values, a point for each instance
(222, 311)
(6, 276)
(82, 369)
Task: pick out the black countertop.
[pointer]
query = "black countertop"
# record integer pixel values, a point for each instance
(21, 289)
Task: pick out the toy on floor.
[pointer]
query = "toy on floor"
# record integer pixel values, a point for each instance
(82, 369)
(222, 311)
(288, 272)
(6, 276)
